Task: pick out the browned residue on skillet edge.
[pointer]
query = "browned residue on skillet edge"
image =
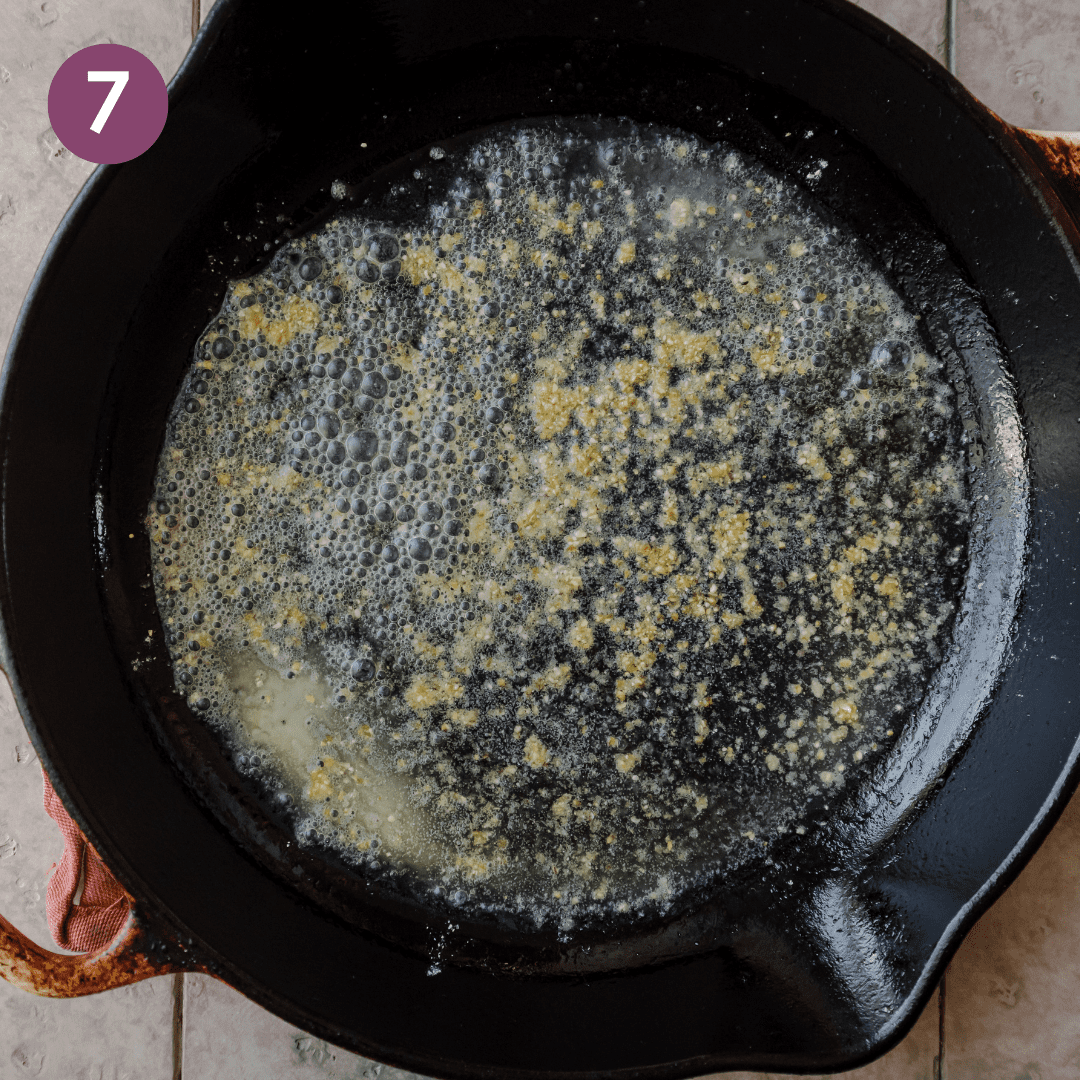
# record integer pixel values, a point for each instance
(126, 960)
(1056, 160)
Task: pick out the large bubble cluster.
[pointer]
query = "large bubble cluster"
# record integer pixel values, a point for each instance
(557, 538)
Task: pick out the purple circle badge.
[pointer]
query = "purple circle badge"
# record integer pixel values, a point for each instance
(108, 103)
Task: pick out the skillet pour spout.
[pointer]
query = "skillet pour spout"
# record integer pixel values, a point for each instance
(820, 955)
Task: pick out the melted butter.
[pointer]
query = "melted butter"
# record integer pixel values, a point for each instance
(560, 543)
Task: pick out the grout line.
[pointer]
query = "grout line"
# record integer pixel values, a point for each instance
(178, 1007)
(950, 34)
(196, 17)
(939, 1058)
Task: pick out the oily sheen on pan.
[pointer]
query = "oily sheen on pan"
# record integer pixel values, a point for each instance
(553, 529)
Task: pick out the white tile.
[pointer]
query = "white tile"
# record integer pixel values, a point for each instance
(1022, 59)
(121, 1035)
(923, 21)
(228, 1037)
(38, 178)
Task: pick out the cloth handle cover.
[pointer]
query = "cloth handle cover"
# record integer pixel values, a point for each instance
(125, 960)
(90, 912)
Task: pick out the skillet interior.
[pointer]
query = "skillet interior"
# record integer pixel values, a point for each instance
(787, 965)
(874, 207)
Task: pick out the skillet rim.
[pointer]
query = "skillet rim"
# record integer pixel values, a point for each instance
(83, 206)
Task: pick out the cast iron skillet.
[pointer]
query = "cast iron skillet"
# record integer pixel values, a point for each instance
(817, 958)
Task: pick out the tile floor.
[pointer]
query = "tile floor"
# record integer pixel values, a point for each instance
(1012, 1008)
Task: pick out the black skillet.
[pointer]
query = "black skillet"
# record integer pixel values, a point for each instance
(817, 959)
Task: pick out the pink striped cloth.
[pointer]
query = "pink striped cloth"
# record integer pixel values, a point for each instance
(102, 908)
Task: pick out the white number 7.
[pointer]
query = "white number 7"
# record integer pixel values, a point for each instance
(119, 79)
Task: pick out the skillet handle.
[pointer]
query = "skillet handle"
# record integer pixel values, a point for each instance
(1056, 157)
(125, 960)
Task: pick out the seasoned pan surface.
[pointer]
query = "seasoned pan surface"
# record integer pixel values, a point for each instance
(817, 956)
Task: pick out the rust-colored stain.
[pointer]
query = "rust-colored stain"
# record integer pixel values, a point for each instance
(1057, 156)
(126, 960)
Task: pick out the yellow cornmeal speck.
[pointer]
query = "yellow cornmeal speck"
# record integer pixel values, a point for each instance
(425, 691)
(465, 717)
(844, 711)
(680, 213)
(298, 316)
(810, 459)
(251, 320)
(536, 753)
(581, 635)
(553, 406)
